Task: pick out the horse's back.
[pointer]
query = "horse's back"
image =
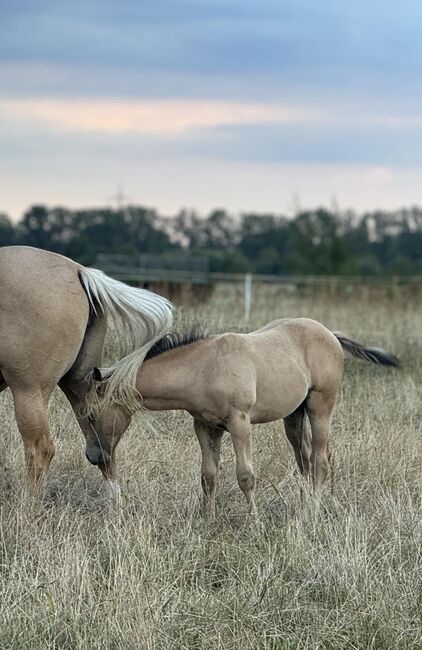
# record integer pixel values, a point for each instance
(305, 332)
(18, 261)
(263, 373)
(43, 313)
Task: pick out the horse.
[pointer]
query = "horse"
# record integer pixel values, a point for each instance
(53, 323)
(287, 369)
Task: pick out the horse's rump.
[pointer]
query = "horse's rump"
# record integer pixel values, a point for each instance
(43, 314)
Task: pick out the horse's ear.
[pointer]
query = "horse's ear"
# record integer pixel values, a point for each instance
(96, 373)
(94, 377)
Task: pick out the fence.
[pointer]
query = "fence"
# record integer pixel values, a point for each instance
(185, 278)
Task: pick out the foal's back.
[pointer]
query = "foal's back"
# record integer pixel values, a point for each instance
(305, 343)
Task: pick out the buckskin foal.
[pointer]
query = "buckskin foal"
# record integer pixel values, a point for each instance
(289, 368)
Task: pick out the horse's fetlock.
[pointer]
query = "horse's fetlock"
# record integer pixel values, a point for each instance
(48, 452)
(208, 481)
(44, 449)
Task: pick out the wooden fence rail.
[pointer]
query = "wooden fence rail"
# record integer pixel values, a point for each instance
(193, 285)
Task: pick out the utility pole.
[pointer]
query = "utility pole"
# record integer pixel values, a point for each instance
(120, 198)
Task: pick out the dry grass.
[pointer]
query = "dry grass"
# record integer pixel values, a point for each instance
(157, 577)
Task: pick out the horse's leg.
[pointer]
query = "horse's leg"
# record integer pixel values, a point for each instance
(209, 438)
(319, 407)
(32, 420)
(298, 436)
(75, 383)
(239, 427)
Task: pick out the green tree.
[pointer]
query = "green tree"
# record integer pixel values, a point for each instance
(7, 231)
(34, 228)
(264, 239)
(318, 244)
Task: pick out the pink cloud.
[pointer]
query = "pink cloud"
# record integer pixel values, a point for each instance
(154, 116)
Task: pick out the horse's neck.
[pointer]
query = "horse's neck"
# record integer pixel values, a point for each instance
(163, 382)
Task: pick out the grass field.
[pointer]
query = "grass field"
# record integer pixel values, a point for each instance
(158, 577)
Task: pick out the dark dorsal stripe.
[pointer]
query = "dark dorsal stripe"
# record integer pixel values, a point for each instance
(174, 340)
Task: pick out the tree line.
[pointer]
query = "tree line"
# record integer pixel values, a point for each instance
(315, 242)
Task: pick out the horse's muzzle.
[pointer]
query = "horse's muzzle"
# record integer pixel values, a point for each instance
(97, 456)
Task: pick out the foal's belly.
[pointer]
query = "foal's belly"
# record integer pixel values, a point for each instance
(277, 399)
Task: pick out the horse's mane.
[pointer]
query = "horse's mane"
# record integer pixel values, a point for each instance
(174, 340)
(119, 381)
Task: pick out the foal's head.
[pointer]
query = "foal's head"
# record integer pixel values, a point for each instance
(104, 428)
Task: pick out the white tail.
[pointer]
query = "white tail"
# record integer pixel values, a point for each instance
(140, 317)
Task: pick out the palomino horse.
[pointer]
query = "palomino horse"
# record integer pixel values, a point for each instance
(53, 321)
(289, 368)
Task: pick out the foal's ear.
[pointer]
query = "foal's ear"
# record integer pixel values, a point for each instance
(96, 373)
(94, 377)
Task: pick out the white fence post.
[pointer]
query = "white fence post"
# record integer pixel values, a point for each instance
(248, 295)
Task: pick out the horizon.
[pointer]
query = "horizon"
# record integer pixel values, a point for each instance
(295, 210)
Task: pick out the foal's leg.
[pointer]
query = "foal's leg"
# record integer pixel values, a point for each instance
(298, 436)
(319, 407)
(32, 419)
(209, 438)
(239, 428)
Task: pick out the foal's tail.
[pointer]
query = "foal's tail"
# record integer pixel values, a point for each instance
(375, 355)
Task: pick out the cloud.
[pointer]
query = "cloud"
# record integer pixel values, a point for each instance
(97, 93)
(295, 43)
(378, 176)
(158, 116)
(214, 130)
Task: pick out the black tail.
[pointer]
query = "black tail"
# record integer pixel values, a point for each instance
(375, 355)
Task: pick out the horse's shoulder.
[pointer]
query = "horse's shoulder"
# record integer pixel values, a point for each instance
(228, 350)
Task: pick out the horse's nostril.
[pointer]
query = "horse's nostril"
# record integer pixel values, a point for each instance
(92, 459)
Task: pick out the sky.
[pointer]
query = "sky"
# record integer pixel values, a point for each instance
(265, 105)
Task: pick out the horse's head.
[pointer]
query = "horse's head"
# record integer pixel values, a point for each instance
(104, 428)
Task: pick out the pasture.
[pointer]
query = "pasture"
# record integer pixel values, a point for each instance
(157, 577)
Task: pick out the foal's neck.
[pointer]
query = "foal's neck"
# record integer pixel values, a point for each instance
(165, 381)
